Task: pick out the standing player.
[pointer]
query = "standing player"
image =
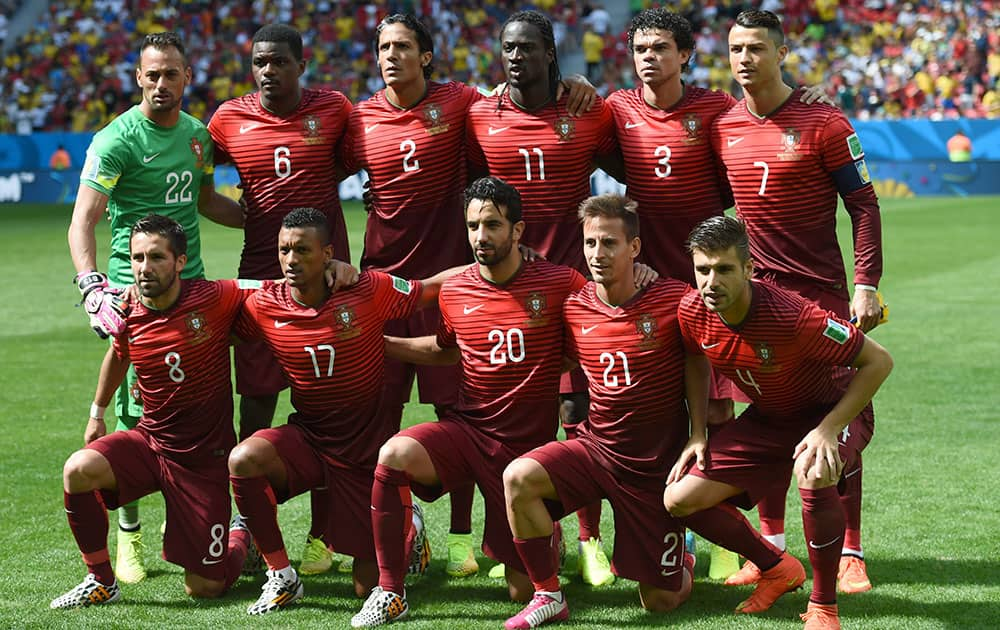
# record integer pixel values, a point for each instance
(784, 353)
(410, 138)
(526, 137)
(503, 319)
(153, 158)
(284, 142)
(177, 337)
(629, 344)
(787, 164)
(330, 347)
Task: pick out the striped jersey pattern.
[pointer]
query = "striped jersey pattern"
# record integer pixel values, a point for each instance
(781, 170)
(511, 342)
(181, 358)
(415, 160)
(548, 156)
(633, 356)
(284, 163)
(333, 358)
(786, 354)
(671, 171)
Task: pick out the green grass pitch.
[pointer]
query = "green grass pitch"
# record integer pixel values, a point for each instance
(931, 526)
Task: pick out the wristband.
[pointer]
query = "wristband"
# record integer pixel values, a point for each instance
(865, 287)
(97, 411)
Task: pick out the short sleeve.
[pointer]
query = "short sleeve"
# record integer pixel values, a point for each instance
(826, 338)
(104, 163)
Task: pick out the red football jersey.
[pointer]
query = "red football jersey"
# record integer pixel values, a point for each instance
(333, 357)
(786, 354)
(284, 163)
(181, 358)
(671, 171)
(785, 171)
(548, 156)
(634, 359)
(415, 159)
(511, 340)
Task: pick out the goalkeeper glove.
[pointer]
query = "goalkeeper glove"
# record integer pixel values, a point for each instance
(105, 306)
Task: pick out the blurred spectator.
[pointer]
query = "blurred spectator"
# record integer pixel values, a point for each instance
(60, 160)
(593, 51)
(959, 147)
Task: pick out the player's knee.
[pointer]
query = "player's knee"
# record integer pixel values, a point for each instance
(396, 453)
(200, 588)
(517, 479)
(82, 470)
(660, 601)
(677, 504)
(246, 459)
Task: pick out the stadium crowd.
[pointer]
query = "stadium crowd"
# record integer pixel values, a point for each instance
(879, 58)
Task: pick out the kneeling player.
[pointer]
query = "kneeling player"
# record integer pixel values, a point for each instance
(784, 353)
(177, 337)
(628, 342)
(330, 347)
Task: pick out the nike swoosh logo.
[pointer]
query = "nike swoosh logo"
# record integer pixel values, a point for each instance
(206, 561)
(587, 329)
(246, 128)
(633, 125)
(669, 573)
(146, 159)
(731, 141)
(369, 128)
(134, 339)
(852, 473)
(278, 324)
(472, 309)
(709, 346)
(815, 546)
(494, 131)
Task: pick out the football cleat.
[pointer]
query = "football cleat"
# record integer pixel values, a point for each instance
(461, 558)
(381, 607)
(278, 592)
(722, 563)
(594, 566)
(316, 557)
(129, 565)
(90, 592)
(749, 574)
(346, 565)
(787, 575)
(253, 564)
(821, 617)
(542, 608)
(852, 577)
(498, 572)
(420, 552)
(689, 542)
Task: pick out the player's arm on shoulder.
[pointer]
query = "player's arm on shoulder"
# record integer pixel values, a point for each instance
(219, 208)
(582, 94)
(816, 94)
(90, 205)
(420, 350)
(431, 287)
(113, 369)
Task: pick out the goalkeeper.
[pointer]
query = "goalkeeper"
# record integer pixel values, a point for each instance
(154, 158)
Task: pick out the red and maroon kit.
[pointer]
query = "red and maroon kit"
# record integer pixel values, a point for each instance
(511, 339)
(333, 356)
(671, 171)
(415, 159)
(548, 156)
(786, 171)
(284, 163)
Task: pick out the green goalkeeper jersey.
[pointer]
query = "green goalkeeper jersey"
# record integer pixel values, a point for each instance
(144, 168)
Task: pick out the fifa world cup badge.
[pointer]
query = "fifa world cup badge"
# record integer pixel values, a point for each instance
(565, 128)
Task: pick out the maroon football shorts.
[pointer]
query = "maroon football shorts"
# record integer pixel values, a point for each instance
(348, 488)
(196, 497)
(649, 543)
(257, 371)
(460, 454)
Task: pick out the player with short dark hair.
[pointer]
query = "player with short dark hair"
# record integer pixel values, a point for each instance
(502, 319)
(785, 353)
(177, 337)
(152, 158)
(787, 165)
(283, 141)
(526, 137)
(329, 345)
(628, 343)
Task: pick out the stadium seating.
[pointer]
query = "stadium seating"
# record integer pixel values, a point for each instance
(879, 58)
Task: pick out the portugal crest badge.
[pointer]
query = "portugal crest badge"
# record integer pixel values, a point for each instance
(199, 152)
(692, 125)
(790, 140)
(197, 325)
(434, 118)
(565, 128)
(311, 130)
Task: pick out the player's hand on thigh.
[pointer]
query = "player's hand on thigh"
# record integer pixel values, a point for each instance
(696, 449)
(817, 459)
(96, 429)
